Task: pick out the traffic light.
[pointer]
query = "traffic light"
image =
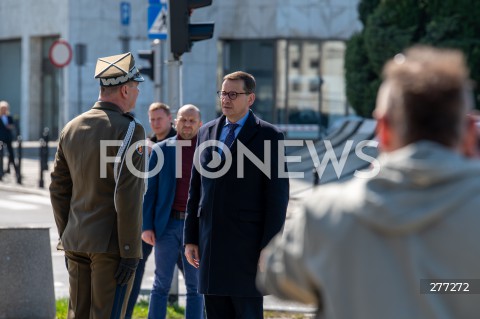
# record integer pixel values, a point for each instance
(147, 70)
(181, 32)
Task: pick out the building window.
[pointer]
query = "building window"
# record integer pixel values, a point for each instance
(298, 81)
(296, 86)
(314, 85)
(262, 66)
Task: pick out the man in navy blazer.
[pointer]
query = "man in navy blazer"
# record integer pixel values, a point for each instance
(236, 204)
(164, 212)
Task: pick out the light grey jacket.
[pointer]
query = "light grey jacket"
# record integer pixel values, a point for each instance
(359, 249)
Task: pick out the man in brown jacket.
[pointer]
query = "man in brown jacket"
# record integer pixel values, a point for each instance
(97, 192)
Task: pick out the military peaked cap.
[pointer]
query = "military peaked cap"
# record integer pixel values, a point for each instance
(117, 69)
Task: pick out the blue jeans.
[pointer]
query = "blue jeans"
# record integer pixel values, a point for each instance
(167, 247)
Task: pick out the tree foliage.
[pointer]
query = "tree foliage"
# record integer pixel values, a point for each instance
(365, 8)
(357, 78)
(390, 26)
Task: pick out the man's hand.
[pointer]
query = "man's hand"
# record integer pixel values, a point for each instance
(191, 252)
(126, 270)
(261, 261)
(148, 236)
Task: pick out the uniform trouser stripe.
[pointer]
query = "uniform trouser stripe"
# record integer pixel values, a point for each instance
(118, 302)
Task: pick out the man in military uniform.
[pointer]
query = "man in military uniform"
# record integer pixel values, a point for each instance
(97, 194)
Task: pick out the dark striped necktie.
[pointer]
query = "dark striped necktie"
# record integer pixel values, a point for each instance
(231, 134)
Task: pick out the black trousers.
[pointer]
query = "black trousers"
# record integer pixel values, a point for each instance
(231, 307)
(11, 156)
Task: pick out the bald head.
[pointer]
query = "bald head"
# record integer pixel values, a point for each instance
(189, 107)
(188, 121)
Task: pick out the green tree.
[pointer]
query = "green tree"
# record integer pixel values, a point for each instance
(362, 73)
(365, 8)
(390, 26)
(455, 24)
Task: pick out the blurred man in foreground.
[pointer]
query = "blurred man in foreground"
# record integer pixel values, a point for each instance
(378, 247)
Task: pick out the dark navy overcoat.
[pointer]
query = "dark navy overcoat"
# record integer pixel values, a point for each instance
(232, 216)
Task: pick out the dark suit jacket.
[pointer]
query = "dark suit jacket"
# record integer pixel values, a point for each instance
(5, 132)
(232, 219)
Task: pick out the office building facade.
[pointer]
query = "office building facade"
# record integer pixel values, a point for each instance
(294, 48)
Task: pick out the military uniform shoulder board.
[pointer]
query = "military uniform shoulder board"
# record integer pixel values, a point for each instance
(129, 115)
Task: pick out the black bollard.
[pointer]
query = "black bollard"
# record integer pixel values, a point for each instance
(1, 158)
(19, 163)
(43, 155)
(316, 178)
(41, 151)
(46, 138)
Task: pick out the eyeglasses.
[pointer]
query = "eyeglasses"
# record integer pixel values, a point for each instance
(232, 95)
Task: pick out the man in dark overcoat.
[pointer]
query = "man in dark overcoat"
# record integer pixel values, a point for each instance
(235, 209)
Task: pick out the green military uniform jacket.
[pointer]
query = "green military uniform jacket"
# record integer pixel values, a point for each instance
(97, 204)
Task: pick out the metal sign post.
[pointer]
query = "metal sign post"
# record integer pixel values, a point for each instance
(80, 59)
(157, 47)
(174, 69)
(125, 17)
(157, 29)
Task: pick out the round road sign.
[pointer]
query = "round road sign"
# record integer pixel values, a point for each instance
(60, 53)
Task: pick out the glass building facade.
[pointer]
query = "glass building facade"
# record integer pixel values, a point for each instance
(299, 82)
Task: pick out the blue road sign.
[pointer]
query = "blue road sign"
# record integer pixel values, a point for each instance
(157, 21)
(157, 1)
(125, 10)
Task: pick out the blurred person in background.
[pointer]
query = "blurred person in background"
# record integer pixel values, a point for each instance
(6, 136)
(160, 119)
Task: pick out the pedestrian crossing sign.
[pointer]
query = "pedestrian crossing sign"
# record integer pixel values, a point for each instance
(157, 21)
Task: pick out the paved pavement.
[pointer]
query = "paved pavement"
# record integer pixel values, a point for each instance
(30, 171)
